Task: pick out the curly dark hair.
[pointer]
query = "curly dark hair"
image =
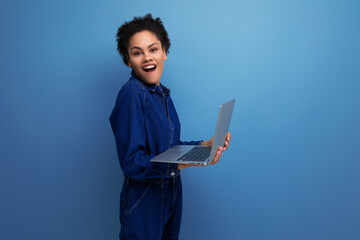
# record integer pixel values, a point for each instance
(139, 24)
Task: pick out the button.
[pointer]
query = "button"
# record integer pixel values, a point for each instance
(172, 173)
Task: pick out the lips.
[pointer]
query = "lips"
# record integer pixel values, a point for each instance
(149, 68)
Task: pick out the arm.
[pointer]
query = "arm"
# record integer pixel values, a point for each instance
(128, 124)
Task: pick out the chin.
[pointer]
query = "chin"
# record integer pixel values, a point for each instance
(151, 80)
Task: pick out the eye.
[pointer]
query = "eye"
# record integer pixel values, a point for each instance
(153, 50)
(136, 53)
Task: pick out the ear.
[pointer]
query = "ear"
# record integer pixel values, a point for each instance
(128, 60)
(165, 56)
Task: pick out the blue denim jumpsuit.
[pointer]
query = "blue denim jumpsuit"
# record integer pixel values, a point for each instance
(145, 124)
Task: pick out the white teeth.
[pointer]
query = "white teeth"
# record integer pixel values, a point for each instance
(149, 66)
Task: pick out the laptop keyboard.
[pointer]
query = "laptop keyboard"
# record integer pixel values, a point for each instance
(198, 154)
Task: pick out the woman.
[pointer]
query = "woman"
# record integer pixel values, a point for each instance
(145, 124)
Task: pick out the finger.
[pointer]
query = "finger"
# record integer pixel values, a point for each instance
(228, 137)
(226, 145)
(217, 157)
(219, 152)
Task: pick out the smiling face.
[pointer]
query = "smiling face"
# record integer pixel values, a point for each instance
(146, 57)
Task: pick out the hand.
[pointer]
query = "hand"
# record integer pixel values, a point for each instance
(218, 154)
(221, 149)
(211, 141)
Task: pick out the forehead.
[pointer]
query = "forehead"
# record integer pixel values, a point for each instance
(143, 39)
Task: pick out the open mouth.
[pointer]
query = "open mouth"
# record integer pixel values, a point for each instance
(149, 68)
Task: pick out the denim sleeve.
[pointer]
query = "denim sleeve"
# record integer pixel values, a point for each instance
(127, 122)
(190, 142)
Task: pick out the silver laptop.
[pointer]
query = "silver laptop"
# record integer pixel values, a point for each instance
(201, 155)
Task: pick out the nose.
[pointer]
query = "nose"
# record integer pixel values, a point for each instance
(147, 57)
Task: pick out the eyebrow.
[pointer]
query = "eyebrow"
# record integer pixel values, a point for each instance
(147, 47)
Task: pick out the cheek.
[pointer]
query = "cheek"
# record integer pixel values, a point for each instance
(134, 61)
(161, 64)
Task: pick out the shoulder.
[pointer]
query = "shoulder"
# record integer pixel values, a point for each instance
(132, 90)
(131, 87)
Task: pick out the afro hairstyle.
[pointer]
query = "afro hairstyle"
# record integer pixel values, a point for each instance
(139, 24)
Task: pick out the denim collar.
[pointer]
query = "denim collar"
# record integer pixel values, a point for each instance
(153, 87)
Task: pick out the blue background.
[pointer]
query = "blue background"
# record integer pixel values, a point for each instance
(292, 171)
